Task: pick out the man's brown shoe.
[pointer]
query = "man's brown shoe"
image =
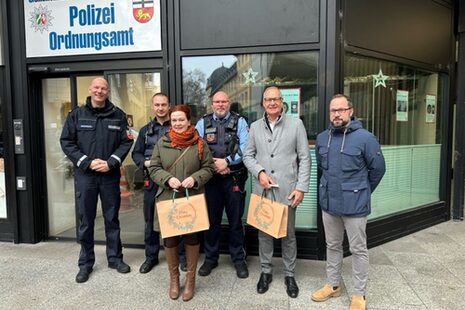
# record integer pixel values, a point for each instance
(358, 303)
(326, 292)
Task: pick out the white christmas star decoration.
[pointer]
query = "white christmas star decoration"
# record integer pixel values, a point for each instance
(380, 79)
(250, 76)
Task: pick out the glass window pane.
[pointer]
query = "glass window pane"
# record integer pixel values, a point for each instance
(244, 77)
(400, 105)
(56, 98)
(82, 88)
(133, 92)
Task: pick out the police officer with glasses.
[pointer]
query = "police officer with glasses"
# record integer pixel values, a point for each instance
(226, 133)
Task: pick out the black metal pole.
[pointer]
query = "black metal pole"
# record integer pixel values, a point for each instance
(457, 211)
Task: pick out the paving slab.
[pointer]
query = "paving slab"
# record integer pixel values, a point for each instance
(417, 272)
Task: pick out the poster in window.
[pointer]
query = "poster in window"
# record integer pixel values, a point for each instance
(402, 106)
(291, 101)
(430, 108)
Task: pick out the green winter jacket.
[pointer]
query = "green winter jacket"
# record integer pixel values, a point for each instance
(164, 155)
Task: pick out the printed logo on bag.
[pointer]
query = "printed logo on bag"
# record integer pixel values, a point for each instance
(142, 10)
(263, 214)
(182, 216)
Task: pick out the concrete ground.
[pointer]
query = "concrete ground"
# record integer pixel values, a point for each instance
(425, 270)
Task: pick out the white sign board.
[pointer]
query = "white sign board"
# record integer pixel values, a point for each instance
(66, 27)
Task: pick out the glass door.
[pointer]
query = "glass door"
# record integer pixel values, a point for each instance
(56, 98)
(57, 102)
(132, 92)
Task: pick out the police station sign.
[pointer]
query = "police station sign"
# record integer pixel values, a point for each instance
(67, 27)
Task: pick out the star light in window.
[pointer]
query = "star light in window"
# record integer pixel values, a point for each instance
(380, 79)
(250, 76)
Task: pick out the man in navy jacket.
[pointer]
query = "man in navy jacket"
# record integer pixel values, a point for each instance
(141, 154)
(95, 138)
(352, 165)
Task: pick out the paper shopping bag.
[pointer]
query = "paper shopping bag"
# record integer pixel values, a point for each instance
(268, 215)
(180, 216)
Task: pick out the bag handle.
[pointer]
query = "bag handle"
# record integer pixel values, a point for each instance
(176, 191)
(272, 194)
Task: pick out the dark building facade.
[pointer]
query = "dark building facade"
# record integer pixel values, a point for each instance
(395, 59)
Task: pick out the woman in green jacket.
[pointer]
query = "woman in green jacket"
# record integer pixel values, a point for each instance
(191, 171)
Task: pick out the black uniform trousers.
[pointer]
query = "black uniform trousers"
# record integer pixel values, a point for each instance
(88, 187)
(220, 196)
(151, 237)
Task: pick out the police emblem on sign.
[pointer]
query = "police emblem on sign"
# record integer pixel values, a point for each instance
(142, 10)
(41, 18)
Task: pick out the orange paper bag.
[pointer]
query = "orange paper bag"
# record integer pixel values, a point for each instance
(268, 215)
(180, 216)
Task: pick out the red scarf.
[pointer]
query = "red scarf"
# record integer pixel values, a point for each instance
(186, 138)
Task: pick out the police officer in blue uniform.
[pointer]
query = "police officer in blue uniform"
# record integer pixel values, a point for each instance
(141, 154)
(226, 134)
(95, 138)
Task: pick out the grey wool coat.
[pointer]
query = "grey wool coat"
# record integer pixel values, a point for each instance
(283, 153)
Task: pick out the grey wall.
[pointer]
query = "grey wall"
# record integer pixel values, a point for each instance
(237, 23)
(419, 30)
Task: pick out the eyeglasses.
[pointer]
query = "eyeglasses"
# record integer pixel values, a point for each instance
(340, 111)
(268, 100)
(220, 101)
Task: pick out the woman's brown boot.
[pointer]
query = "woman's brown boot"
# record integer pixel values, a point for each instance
(192, 256)
(172, 259)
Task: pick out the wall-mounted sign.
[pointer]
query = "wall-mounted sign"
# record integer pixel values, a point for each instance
(65, 27)
(430, 108)
(402, 106)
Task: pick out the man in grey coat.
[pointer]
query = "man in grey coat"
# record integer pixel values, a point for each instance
(352, 165)
(277, 155)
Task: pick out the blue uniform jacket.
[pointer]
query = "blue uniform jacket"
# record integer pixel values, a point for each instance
(352, 166)
(146, 142)
(90, 133)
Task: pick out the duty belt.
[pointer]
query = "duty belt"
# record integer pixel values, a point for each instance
(237, 169)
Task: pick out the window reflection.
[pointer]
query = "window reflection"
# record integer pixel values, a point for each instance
(397, 107)
(397, 113)
(245, 76)
(133, 92)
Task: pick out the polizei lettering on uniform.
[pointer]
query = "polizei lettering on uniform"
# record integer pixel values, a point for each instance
(91, 16)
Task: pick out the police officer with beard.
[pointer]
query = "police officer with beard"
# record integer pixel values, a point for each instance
(95, 139)
(226, 134)
(141, 154)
